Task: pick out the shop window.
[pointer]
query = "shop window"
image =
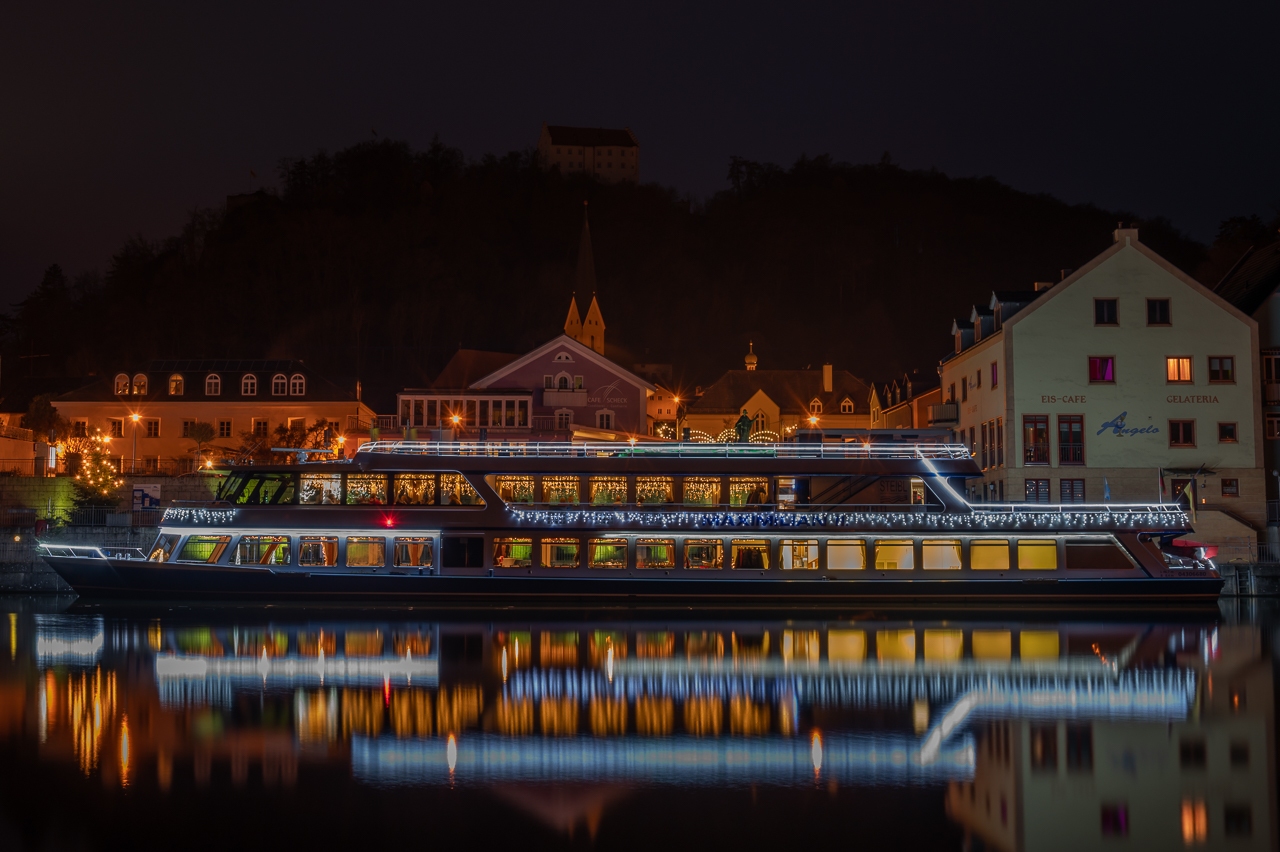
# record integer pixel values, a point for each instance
(941, 555)
(320, 489)
(608, 490)
(512, 552)
(456, 491)
(1177, 369)
(560, 489)
(318, 550)
(414, 552)
(989, 555)
(749, 554)
(702, 490)
(701, 554)
(607, 553)
(367, 489)
(1230, 488)
(1102, 369)
(204, 548)
(1104, 312)
(560, 553)
(846, 554)
(799, 554)
(748, 490)
(262, 550)
(655, 553)
(895, 555)
(1182, 433)
(654, 489)
(1227, 433)
(846, 646)
(1037, 555)
(515, 489)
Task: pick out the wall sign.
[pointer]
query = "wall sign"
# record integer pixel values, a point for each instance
(609, 394)
(1118, 428)
(1176, 399)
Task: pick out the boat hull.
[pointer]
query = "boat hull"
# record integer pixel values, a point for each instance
(133, 579)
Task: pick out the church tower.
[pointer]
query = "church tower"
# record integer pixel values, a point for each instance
(588, 330)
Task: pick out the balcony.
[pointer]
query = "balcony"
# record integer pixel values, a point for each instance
(564, 398)
(1036, 454)
(944, 415)
(1070, 453)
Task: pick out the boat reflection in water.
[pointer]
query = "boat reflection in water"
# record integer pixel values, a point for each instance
(1030, 735)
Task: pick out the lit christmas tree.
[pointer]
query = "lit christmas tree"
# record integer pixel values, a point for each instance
(96, 480)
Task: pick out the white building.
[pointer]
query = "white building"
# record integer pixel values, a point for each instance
(607, 154)
(1125, 382)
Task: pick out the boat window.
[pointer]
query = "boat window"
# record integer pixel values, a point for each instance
(895, 555)
(455, 490)
(163, 548)
(703, 553)
(608, 553)
(701, 490)
(366, 551)
(1098, 555)
(560, 489)
(654, 489)
(655, 553)
(748, 490)
(414, 552)
(989, 555)
(267, 489)
(608, 489)
(846, 646)
(896, 646)
(559, 553)
(318, 550)
(231, 486)
(262, 550)
(321, 489)
(515, 489)
(415, 489)
(799, 553)
(943, 646)
(1037, 555)
(992, 644)
(941, 555)
(204, 548)
(512, 552)
(749, 554)
(367, 489)
(846, 554)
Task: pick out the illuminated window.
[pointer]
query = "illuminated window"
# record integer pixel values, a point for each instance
(846, 406)
(655, 553)
(367, 489)
(1177, 369)
(279, 384)
(749, 554)
(895, 555)
(941, 555)
(297, 385)
(846, 554)
(456, 491)
(1230, 488)
(701, 490)
(262, 550)
(318, 550)
(560, 489)
(815, 406)
(988, 555)
(655, 489)
(213, 385)
(748, 490)
(175, 385)
(414, 489)
(122, 384)
(512, 552)
(607, 553)
(802, 553)
(700, 553)
(413, 552)
(204, 548)
(560, 553)
(515, 489)
(1102, 369)
(249, 385)
(1037, 555)
(608, 490)
(321, 489)
(140, 384)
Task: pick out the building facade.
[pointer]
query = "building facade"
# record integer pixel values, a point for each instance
(148, 413)
(1128, 381)
(606, 154)
(904, 403)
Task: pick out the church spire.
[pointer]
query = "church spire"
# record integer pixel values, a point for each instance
(573, 323)
(588, 330)
(584, 281)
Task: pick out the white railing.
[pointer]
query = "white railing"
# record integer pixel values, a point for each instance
(620, 449)
(1073, 508)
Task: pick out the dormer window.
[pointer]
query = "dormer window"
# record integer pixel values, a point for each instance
(122, 384)
(297, 385)
(140, 384)
(815, 406)
(175, 385)
(279, 384)
(958, 343)
(977, 330)
(213, 385)
(846, 406)
(249, 385)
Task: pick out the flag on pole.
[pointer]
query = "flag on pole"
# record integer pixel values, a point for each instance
(1106, 489)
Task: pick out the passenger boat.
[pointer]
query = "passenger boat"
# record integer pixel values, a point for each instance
(629, 522)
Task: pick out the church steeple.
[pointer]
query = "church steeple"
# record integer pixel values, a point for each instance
(585, 280)
(573, 323)
(588, 330)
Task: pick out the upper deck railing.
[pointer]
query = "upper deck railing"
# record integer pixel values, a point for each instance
(616, 449)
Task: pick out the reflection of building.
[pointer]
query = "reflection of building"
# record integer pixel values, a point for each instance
(606, 154)
(1125, 375)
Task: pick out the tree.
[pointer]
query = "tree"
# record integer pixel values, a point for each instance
(44, 420)
(202, 434)
(96, 480)
(261, 448)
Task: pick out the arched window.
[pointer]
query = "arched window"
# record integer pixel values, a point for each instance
(249, 385)
(846, 406)
(297, 385)
(279, 385)
(563, 382)
(213, 385)
(122, 384)
(175, 385)
(815, 407)
(140, 384)
(761, 422)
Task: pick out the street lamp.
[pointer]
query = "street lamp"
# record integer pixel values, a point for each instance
(135, 418)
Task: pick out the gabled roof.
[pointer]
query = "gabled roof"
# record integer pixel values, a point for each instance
(563, 341)
(792, 390)
(231, 372)
(468, 365)
(591, 137)
(1254, 277)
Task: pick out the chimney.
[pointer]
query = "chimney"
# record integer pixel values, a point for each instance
(826, 378)
(1042, 285)
(1123, 234)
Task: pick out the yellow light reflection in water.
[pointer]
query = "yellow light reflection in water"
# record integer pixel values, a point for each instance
(800, 646)
(514, 716)
(559, 716)
(124, 750)
(816, 753)
(608, 717)
(655, 717)
(943, 646)
(155, 637)
(992, 645)
(1038, 644)
(846, 646)
(896, 646)
(411, 713)
(920, 715)
(703, 717)
(748, 719)
(459, 708)
(13, 635)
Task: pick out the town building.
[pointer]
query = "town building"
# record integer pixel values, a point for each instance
(148, 413)
(778, 402)
(905, 403)
(1128, 382)
(606, 154)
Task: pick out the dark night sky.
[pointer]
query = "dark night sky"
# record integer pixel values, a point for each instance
(118, 121)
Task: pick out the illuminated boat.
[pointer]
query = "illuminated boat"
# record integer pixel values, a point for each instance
(588, 522)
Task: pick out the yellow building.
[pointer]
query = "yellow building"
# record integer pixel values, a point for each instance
(606, 154)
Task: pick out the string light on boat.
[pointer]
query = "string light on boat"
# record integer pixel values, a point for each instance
(199, 516)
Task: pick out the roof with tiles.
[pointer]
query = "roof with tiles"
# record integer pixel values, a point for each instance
(792, 390)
